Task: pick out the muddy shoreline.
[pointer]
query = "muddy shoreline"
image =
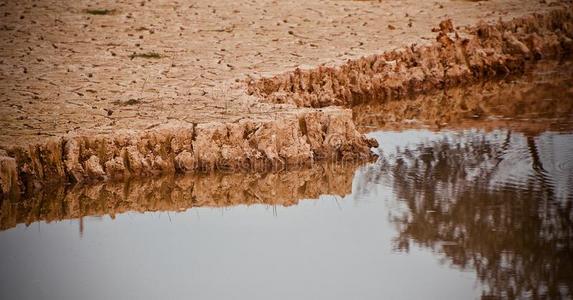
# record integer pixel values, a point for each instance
(243, 146)
(540, 98)
(457, 58)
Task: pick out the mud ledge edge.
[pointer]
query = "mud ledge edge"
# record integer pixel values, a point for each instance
(298, 139)
(457, 58)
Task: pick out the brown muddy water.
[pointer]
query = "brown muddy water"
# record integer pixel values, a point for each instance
(477, 204)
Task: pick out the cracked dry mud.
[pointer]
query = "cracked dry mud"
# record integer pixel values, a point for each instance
(114, 89)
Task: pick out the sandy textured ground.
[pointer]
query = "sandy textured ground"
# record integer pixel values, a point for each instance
(64, 70)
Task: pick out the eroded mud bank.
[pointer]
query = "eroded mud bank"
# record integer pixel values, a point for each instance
(176, 193)
(457, 57)
(299, 139)
(539, 99)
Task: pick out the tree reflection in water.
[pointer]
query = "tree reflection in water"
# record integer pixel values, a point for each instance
(499, 203)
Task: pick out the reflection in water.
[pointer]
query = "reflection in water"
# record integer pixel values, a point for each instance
(178, 193)
(499, 203)
(541, 99)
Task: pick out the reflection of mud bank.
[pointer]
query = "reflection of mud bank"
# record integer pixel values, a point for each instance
(175, 193)
(456, 58)
(244, 145)
(540, 99)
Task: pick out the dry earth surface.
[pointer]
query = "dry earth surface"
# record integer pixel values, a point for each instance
(99, 90)
(75, 67)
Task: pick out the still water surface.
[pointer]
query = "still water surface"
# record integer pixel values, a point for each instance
(456, 214)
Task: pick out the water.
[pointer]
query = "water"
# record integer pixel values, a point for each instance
(480, 208)
(442, 215)
(498, 203)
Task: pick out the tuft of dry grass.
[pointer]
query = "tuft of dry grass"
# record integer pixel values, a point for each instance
(151, 55)
(99, 11)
